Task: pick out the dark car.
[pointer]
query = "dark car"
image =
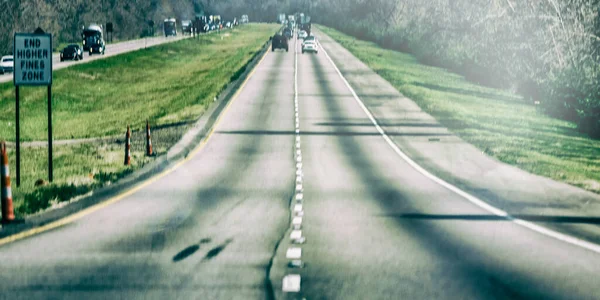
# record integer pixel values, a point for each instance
(72, 52)
(279, 42)
(288, 33)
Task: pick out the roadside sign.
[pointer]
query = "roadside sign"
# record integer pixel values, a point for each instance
(32, 54)
(32, 59)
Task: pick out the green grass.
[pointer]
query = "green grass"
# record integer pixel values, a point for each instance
(78, 169)
(495, 121)
(167, 84)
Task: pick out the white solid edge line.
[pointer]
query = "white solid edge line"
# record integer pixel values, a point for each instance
(496, 211)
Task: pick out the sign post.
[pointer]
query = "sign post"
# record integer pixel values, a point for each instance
(109, 30)
(33, 67)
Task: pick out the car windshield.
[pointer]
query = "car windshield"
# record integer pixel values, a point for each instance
(7, 59)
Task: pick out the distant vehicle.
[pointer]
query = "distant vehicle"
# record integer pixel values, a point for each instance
(186, 27)
(305, 26)
(302, 34)
(201, 23)
(287, 32)
(7, 64)
(170, 27)
(245, 19)
(279, 42)
(310, 46)
(310, 38)
(281, 19)
(217, 21)
(93, 40)
(228, 24)
(71, 52)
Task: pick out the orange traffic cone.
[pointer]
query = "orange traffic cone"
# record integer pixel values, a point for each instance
(128, 147)
(8, 214)
(148, 140)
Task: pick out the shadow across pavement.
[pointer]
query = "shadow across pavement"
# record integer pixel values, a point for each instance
(531, 218)
(326, 133)
(369, 124)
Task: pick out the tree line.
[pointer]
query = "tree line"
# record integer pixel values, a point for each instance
(65, 18)
(546, 50)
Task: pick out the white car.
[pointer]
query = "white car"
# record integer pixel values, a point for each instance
(310, 46)
(7, 64)
(302, 34)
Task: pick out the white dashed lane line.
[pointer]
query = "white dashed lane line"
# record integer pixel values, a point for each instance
(297, 222)
(293, 253)
(291, 282)
(296, 234)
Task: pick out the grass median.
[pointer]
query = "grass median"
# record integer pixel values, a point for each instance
(170, 84)
(499, 123)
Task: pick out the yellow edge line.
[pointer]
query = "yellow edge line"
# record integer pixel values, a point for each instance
(115, 199)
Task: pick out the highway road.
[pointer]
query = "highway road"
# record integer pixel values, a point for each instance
(296, 170)
(111, 50)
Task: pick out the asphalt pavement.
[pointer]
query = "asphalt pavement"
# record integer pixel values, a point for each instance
(330, 196)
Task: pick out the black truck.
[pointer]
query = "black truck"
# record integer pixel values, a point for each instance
(279, 42)
(93, 40)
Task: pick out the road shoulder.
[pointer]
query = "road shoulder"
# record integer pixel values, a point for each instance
(557, 205)
(197, 133)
